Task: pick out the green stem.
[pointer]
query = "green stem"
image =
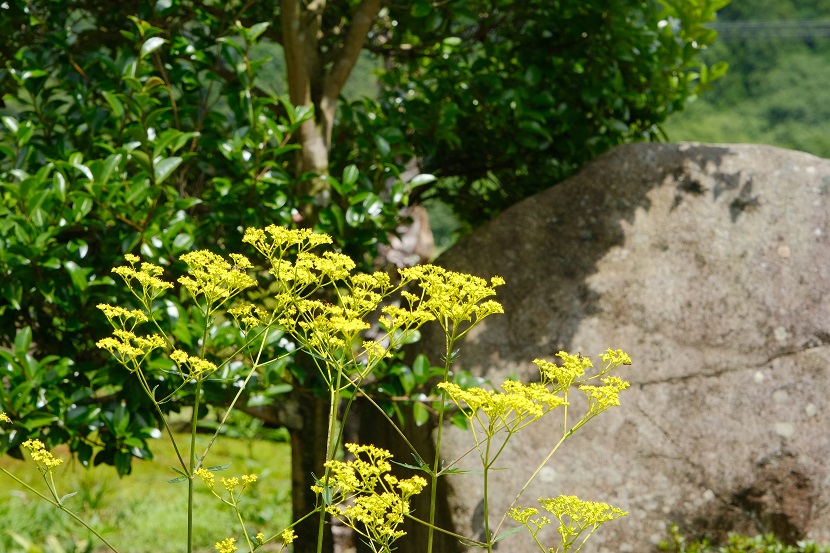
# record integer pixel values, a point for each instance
(244, 530)
(532, 477)
(487, 536)
(330, 446)
(433, 492)
(61, 507)
(192, 465)
(465, 539)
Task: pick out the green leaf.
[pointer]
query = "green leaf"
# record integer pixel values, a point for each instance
(420, 368)
(420, 413)
(177, 480)
(67, 496)
(78, 275)
(217, 468)
(422, 179)
(383, 145)
(350, 174)
(13, 292)
(151, 45)
(165, 168)
(421, 8)
(23, 342)
(114, 102)
(11, 123)
(59, 183)
(508, 533)
(257, 30)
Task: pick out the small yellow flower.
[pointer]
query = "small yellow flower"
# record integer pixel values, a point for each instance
(206, 476)
(248, 478)
(226, 546)
(44, 459)
(260, 538)
(4, 417)
(288, 536)
(230, 483)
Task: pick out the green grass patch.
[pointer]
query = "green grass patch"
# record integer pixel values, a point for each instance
(769, 543)
(142, 513)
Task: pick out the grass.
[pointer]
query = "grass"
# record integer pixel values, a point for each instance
(142, 513)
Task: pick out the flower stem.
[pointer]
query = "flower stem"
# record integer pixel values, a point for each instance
(57, 504)
(192, 465)
(433, 491)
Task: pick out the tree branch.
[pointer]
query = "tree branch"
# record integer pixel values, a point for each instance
(346, 57)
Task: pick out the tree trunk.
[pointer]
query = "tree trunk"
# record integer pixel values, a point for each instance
(307, 422)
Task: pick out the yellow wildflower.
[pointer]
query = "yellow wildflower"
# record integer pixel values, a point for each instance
(44, 459)
(147, 277)
(215, 278)
(5, 418)
(601, 398)
(288, 536)
(226, 546)
(207, 477)
(230, 483)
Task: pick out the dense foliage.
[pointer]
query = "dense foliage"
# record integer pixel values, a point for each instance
(777, 89)
(507, 98)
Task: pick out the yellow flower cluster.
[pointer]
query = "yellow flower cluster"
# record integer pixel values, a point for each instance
(147, 277)
(574, 517)
(226, 546)
(375, 499)
(562, 376)
(515, 407)
(249, 316)
(215, 278)
(274, 241)
(122, 315)
(44, 459)
(199, 368)
(288, 536)
(454, 298)
(601, 398)
(129, 349)
(5, 418)
(582, 514)
(207, 477)
(235, 486)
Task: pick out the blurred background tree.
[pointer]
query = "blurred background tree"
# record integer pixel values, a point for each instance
(777, 90)
(157, 127)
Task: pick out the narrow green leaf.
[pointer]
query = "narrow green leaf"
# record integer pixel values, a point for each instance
(67, 496)
(114, 102)
(217, 468)
(508, 533)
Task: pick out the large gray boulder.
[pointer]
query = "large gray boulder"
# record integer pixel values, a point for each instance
(710, 265)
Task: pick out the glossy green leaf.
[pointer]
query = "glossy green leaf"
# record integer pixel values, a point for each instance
(151, 45)
(23, 342)
(165, 168)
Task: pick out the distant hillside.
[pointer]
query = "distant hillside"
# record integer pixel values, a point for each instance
(777, 89)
